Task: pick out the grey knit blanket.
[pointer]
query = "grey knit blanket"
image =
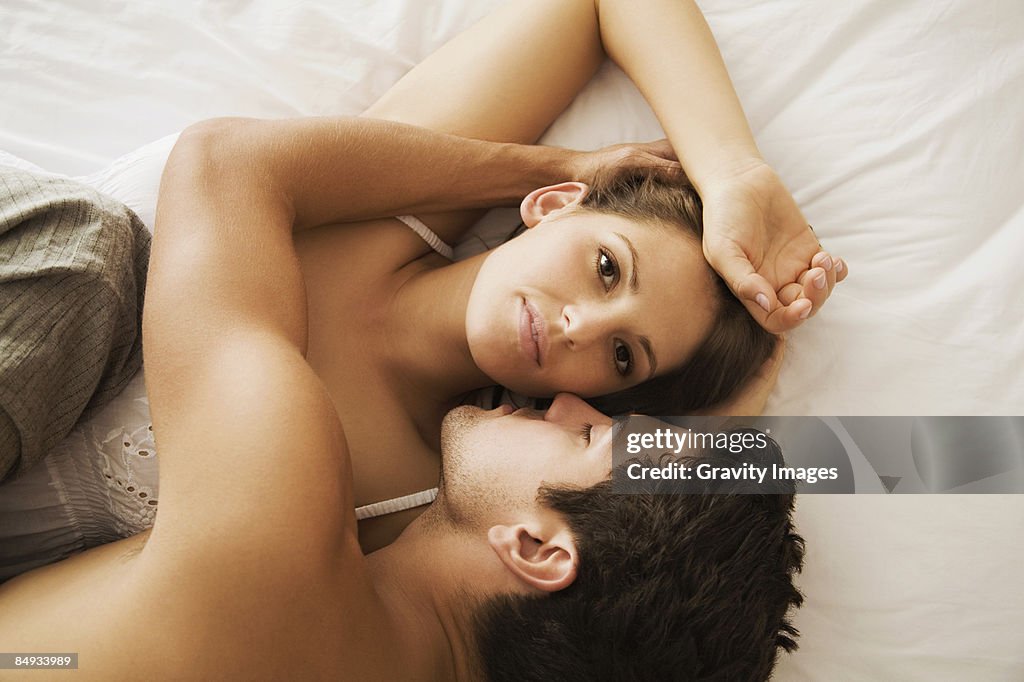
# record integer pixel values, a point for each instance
(72, 278)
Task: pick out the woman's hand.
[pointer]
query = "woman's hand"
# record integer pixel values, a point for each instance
(753, 396)
(760, 243)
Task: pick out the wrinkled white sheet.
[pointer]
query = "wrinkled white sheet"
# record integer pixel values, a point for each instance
(898, 127)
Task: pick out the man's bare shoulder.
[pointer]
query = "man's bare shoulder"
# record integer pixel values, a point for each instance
(129, 612)
(254, 462)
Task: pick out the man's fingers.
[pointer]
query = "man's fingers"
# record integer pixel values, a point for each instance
(662, 148)
(666, 167)
(669, 170)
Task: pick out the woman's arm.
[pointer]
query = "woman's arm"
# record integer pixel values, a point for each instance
(667, 49)
(754, 234)
(510, 75)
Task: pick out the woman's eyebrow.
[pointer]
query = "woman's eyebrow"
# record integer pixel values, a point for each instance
(652, 361)
(634, 271)
(634, 286)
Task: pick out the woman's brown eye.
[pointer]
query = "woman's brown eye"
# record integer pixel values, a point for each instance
(623, 358)
(607, 269)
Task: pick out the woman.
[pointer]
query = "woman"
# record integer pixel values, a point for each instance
(430, 332)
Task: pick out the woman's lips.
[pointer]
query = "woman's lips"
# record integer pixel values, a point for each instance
(532, 332)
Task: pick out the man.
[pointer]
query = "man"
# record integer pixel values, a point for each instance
(525, 567)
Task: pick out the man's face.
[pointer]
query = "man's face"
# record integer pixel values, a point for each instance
(493, 462)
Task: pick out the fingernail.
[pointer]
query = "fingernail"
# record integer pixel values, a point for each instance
(806, 311)
(762, 301)
(826, 263)
(839, 266)
(820, 281)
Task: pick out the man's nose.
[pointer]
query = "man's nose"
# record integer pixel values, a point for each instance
(568, 409)
(585, 325)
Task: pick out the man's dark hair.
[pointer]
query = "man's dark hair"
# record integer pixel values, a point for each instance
(682, 582)
(735, 347)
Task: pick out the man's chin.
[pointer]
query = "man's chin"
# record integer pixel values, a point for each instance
(456, 422)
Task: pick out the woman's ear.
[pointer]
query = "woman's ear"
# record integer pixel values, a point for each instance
(547, 200)
(548, 565)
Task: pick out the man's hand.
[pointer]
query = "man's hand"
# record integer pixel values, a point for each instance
(760, 243)
(658, 156)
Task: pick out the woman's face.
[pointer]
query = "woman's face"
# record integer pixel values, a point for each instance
(589, 303)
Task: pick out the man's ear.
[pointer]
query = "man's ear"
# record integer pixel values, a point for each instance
(545, 564)
(547, 200)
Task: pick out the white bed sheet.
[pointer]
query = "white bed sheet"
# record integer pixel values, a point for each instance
(898, 127)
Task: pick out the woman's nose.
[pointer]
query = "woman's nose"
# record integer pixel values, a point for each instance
(584, 325)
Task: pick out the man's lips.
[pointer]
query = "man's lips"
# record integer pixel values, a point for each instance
(532, 332)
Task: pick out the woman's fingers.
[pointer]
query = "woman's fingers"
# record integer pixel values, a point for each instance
(790, 293)
(802, 298)
(841, 270)
(830, 265)
(791, 315)
(816, 287)
(816, 284)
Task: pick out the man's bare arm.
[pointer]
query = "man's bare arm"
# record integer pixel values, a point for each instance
(225, 320)
(343, 169)
(249, 441)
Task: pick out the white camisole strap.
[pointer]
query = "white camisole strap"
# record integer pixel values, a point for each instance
(369, 511)
(397, 504)
(428, 235)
